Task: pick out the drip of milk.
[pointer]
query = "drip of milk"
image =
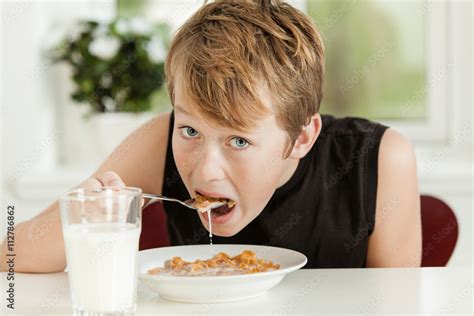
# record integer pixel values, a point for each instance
(102, 265)
(210, 225)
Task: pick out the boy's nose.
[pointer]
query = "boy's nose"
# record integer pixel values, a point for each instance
(209, 167)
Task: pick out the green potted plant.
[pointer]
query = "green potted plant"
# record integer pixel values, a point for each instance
(117, 70)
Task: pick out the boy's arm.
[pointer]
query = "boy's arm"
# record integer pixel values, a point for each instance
(139, 161)
(396, 239)
(37, 244)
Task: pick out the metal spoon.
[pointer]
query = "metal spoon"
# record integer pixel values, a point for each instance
(190, 203)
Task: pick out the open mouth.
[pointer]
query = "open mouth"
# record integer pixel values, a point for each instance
(205, 203)
(222, 210)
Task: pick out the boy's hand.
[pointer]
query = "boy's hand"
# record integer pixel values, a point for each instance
(106, 179)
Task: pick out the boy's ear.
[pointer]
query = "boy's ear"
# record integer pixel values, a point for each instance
(306, 139)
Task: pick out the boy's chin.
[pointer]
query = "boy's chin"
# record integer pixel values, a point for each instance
(227, 232)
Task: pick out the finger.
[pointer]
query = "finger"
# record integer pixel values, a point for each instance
(110, 178)
(92, 183)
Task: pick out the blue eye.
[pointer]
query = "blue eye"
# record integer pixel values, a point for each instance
(239, 143)
(188, 132)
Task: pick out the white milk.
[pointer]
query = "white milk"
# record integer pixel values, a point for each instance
(102, 265)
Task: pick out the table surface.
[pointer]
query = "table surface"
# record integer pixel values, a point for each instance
(310, 292)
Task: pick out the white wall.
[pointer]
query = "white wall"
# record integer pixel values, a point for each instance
(31, 177)
(29, 136)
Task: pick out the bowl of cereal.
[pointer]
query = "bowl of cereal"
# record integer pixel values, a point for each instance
(217, 273)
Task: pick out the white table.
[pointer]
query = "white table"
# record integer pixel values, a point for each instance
(310, 292)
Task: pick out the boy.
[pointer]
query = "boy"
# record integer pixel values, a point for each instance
(245, 79)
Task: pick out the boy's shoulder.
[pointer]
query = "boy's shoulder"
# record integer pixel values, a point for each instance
(348, 126)
(350, 136)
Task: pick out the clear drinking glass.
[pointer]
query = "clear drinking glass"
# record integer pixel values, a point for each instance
(101, 229)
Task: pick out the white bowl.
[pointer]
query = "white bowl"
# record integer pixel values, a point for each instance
(214, 289)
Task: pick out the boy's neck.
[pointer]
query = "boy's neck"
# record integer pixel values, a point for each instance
(292, 165)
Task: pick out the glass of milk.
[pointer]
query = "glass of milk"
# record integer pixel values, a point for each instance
(101, 228)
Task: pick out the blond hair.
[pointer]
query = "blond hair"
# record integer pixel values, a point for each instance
(228, 50)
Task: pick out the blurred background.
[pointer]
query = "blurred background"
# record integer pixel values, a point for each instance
(78, 76)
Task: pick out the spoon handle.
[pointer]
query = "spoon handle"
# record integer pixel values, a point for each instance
(164, 198)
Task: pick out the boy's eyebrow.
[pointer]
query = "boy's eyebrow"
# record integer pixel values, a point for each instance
(179, 108)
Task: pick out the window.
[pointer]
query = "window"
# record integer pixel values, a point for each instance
(386, 60)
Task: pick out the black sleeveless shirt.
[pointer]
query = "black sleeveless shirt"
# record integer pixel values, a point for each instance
(326, 210)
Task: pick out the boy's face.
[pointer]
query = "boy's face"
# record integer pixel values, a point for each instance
(222, 162)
